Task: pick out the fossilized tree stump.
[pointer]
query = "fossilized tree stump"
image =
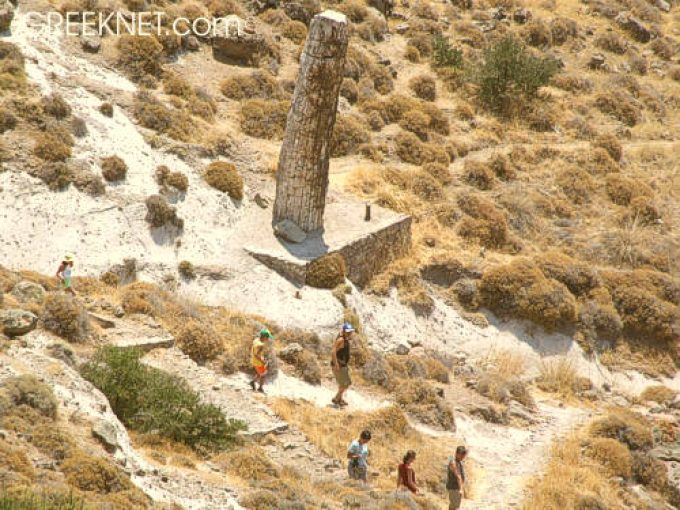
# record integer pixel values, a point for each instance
(302, 174)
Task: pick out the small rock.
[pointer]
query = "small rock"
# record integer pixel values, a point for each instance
(101, 321)
(91, 43)
(118, 312)
(639, 32)
(105, 433)
(413, 342)
(402, 28)
(261, 201)
(289, 231)
(402, 349)
(26, 292)
(597, 61)
(383, 61)
(290, 351)
(663, 5)
(521, 16)
(191, 42)
(517, 410)
(17, 322)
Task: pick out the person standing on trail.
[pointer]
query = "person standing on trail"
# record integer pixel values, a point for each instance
(455, 481)
(357, 453)
(64, 274)
(340, 362)
(406, 478)
(257, 358)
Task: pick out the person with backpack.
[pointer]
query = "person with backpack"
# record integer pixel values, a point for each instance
(357, 453)
(340, 356)
(257, 359)
(406, 478)
(455, 480)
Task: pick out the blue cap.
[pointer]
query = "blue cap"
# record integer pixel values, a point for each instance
(347, 327)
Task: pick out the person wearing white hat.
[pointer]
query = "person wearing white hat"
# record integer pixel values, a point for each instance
(64, 274)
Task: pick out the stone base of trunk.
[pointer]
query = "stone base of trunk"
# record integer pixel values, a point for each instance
(366, 246)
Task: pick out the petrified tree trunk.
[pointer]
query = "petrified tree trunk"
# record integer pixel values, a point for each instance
(302, 175)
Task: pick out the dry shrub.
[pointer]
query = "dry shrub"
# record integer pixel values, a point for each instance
(580, 278)
(622, 190)
(65, 316)
(502, 389)
(53, 441)
(675, 74)
(439, 172)
(27, 390)
(349, 90)
(558, 376)
(221, 8)
(538, 34)
(649, 471)
(106, 109)
(410, 149)
(140, 56)
(142, 297)
(306, 365)
(296, 31)
(186, 269)
(160, 213)
(572, 82)
(562, 30)
(259, 84)
(628, 427)
(576, 183)
(109, 278)
(153, 114)
(264, 118)
(51, 148)
(349, 133)
(164, 177)
(422, 400)
(659, 393)
(611, 144)
(113, 168)
(621, 106)
(612, 455)
(78, 127)
(57, 175)
(56, 106)
(225, 178)
(664, 47)
(15, 464)
(412, 54)
(355, 10)
(423, 43)
(308, 339)
(373, 29)
(418, 367)
(199, 341)
(611, 41)
(644, 210)
(382, 79)
(92, 474)
(597, 161)
(483, 222)
(326, 272)
(479, 175)
(598, 319)
(424, 87)
(521, 290)
(417, 122)
(252, 464)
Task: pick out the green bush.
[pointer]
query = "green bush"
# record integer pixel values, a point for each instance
(508, 75)
(443, 55)
(146, 399)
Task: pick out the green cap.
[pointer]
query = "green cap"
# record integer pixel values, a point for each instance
(266, 332)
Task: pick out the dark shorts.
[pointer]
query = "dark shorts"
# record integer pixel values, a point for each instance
(357, 472)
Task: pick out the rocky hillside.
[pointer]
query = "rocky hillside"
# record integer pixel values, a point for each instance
(536, 320)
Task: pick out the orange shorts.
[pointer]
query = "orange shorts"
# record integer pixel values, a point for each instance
(260, 370)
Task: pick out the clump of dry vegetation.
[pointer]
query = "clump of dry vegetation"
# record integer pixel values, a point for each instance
(160, 213)
(168, 179)
(63, 315)
(200, 342)
(224, 177)
(259, 84)
(659, 394)
(263, 118)
(326, 272)
(424, 87)
(113, 168)
(50, 148)
(140, 56)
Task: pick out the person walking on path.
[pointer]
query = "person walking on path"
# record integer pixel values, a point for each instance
(257, 358)
(455, 482)
(357, 453)
(64, 274)
(406, 479)
(340, 362)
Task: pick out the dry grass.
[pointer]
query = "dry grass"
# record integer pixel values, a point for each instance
(659, 394)
(558, 376)
(332, 431)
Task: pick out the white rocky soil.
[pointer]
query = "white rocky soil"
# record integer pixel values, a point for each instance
(104, 231)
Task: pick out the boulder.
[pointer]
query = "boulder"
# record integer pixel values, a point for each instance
(17, 322)
(634, 26)
(289, 352)
(28, 292)
(91, 43)
(521, 16)
(191, 43)
(490, 413)
(402, 349)
(288, 230)
(235, 39)
(262, 202)
(6, 15)
(402, 28)
(597, 61)
(517, 410)
(106, 434)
